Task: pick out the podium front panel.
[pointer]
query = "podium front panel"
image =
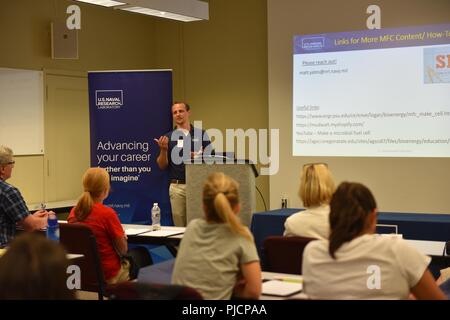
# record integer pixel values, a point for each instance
(196, 175)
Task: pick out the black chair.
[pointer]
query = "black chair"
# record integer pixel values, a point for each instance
(437, 264)
(139, 258)
(285, 254)
(78, 238)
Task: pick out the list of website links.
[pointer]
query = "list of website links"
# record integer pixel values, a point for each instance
(311, 129)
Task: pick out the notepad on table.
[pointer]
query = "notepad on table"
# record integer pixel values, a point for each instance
(281, 288)
(135, 231)
(162, 233)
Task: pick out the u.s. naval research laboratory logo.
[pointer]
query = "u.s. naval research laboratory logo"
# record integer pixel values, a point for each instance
(313, 43)
(109, 99)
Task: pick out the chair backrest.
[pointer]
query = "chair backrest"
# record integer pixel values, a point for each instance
(437, 264)
(79, 238)
(130, 290)
(285, 254)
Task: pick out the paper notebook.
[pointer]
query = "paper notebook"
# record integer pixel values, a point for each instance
(281, 288)
(135, 231)
(161, 233)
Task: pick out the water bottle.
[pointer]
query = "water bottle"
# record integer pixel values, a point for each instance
(284, 203)
(52, 227)
(156, 217)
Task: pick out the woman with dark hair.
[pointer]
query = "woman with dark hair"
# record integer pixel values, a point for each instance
(32, 268)
(218, 256)
(355, 263)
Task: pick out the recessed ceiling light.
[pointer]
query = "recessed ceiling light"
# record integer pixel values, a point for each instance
(181, 10)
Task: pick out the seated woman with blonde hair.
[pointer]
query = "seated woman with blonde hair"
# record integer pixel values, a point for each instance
(316, 188)
(105, 224)
(356, 263)
(217, 255)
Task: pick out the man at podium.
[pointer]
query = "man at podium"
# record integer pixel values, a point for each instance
(184, 142)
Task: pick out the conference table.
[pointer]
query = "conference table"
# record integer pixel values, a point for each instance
(143, 234)
(170, 237)
(430, 231)
(161, 273)
(69, 256)
(139, 234)
(417, 226)
(56, 206)
(281, 280)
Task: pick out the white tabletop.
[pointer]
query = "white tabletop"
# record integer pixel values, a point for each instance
(52, 205)
(74, 256)
(431, 248)
(69, 256)
(283, 277)
(146, 231)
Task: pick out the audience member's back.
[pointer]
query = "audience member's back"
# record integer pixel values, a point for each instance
(367, 267)
(316, 188)
(355, 263)
(105, 224)
(218, 256)
(34, 267)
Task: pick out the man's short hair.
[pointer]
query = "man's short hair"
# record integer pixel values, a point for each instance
(6, 155)
(188, 107)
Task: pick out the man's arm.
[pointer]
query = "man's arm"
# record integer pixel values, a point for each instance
(17, 211)
(163, 160)
(207, 146)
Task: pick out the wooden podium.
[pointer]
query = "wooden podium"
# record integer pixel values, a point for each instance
(243, 171)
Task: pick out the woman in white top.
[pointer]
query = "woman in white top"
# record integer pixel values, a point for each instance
(316, 188)
(356, 263)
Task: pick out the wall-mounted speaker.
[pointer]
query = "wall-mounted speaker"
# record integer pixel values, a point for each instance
(64, 41)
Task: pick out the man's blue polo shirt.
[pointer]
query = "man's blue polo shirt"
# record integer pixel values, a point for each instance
(182, 145)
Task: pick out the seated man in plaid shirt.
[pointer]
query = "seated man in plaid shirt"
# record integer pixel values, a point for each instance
(13, 209)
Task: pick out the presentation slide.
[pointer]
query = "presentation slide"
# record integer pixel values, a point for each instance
(372, 93)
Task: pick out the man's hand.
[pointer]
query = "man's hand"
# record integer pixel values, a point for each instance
(196, 154)
(43, 217)
(162, 160)
(41, 213)
(35, 221)
(163, 142)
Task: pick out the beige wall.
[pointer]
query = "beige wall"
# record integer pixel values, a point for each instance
(219, 66)
(226, 69)
(399, 184)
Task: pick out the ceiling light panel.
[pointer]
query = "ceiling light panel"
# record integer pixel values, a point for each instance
(104, 3)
